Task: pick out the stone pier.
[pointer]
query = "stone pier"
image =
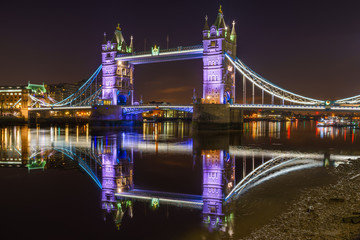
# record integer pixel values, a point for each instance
(216, 117)
(112, 115)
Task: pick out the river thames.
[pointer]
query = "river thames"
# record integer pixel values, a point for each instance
(162, 180)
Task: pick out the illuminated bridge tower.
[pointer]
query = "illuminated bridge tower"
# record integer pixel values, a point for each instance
(219, 75)
(213, 168)
(117, 80)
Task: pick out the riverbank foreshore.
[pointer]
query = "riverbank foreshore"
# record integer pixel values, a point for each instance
(319, 212)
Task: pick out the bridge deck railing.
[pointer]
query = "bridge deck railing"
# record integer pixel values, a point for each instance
(177, 49)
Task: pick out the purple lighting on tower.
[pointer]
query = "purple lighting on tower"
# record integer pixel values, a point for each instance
(108, 160)
(213, 168)
(218, 77)
(117, 82)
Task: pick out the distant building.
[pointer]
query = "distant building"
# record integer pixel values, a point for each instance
(158, 103)
(13, 99)
(60, 91)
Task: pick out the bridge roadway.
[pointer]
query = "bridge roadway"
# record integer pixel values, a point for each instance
(297, 107)
(143, 108)
(137, 109)
(60, 108)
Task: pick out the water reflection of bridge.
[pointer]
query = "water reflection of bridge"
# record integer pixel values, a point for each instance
(108, 159)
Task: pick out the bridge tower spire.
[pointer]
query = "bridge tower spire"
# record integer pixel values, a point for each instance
(218, 74)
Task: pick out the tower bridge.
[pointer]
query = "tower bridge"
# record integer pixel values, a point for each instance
(113, 99)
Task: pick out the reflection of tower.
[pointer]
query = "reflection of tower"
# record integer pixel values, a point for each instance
(218, 168)
(124, 182)
(213, 168)
(108, 159)
(117, 176)
(229, 174)
(124, 172)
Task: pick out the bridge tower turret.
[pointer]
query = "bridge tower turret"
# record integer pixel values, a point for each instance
(218, 74)
(117, 76)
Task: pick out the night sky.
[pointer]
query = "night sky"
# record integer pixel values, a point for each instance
(308, 47)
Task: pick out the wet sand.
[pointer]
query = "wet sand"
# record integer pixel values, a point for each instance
(318, 212)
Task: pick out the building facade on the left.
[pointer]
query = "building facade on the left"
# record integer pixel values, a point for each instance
(15, 100)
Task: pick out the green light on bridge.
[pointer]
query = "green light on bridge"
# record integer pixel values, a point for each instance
(155, 50)
(36, 88)
(36, 164)
(155, 203)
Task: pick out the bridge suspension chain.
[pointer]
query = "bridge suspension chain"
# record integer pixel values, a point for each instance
(90, 99)
(80, 91)
(75, 99)
(349, 100)
(269, 87)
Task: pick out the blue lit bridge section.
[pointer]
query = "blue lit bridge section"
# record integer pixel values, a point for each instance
(137, 109)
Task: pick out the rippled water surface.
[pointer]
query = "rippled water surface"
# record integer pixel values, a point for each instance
(162, 180)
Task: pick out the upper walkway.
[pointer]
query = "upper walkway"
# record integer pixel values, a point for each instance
(166, 55)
